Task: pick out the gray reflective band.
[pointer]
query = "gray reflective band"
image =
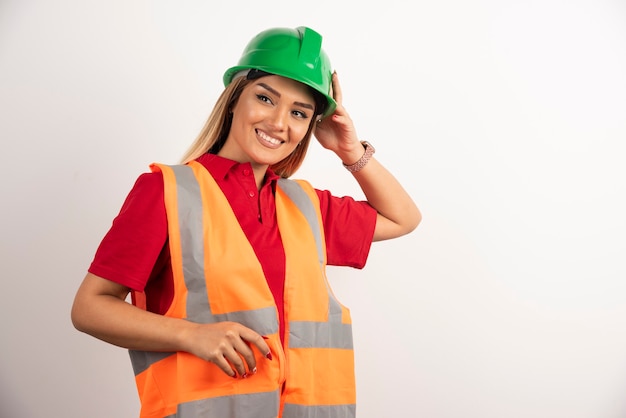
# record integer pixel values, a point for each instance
(306, 334)
(254, 405)
(262, 320)
(189, 202)
(141, 360)
(316, 411)
(302, 200)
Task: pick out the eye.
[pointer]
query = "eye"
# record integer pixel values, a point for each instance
(264, 98)
(300, 114)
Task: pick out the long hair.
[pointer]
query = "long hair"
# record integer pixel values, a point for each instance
(213, 134)
(215, 130)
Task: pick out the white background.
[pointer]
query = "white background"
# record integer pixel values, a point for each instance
(505, 120)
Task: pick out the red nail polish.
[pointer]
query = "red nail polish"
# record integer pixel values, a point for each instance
(264, 337)
(269, 356)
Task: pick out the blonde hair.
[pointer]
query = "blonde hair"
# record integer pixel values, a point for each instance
(213, 134)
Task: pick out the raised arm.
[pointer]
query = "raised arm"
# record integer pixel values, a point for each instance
(397, 212)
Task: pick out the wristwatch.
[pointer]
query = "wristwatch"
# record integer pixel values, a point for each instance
(369, 151)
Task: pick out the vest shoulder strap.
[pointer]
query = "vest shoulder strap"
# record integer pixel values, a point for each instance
(296, 193)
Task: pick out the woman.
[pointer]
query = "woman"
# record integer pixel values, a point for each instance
(224, 255)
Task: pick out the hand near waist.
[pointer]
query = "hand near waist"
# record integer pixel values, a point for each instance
(229, 345)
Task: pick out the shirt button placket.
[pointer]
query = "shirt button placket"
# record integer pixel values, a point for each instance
(246, 172)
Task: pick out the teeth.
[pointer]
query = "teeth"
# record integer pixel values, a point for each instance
(269, 139)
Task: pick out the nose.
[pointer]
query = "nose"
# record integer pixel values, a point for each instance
(278, 119)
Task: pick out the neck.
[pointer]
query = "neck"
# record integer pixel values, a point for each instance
(259, 174)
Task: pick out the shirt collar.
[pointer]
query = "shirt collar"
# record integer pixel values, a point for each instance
(220, 167)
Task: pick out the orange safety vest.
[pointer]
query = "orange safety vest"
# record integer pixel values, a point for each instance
(217, 277)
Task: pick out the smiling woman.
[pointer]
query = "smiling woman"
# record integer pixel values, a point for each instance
(225, 257)
(271, 118)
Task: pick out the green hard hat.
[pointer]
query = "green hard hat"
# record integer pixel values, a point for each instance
(292, 53)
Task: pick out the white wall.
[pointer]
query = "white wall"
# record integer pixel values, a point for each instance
(506, 121)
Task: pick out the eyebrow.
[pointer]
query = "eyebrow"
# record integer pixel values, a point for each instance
(305, 105)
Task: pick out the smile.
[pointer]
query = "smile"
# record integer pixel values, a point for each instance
(269, 139)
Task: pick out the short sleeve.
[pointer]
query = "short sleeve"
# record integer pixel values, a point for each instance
(349, 229)
(130, 249)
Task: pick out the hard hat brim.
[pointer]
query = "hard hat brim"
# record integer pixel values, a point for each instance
(230, 74)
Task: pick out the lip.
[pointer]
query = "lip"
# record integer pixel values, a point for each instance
(263, 139)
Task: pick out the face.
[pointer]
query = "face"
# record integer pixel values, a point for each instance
(270, 118)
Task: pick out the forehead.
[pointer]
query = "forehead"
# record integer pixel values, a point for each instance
(285, 87)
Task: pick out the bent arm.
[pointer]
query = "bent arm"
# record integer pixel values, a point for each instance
(397, 212)
(100, 309)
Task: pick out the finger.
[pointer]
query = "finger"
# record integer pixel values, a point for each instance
(236, 361)
(246, 356)
(336, 89)
(225, 365)
(256, 339)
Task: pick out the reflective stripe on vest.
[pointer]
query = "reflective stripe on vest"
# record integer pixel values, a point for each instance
(223, 407)
(186, 207)
(325, 411)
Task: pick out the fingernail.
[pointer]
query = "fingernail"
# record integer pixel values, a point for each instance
(269, 355)
(234, 376)
(244, 376)
(254, 371)
(265, 338)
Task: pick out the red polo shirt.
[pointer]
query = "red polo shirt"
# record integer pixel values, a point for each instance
(135, 254)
